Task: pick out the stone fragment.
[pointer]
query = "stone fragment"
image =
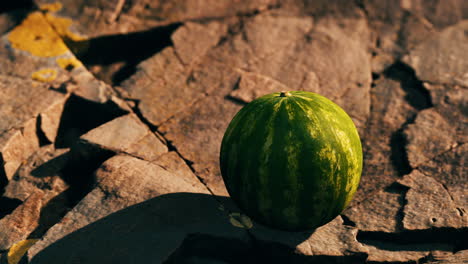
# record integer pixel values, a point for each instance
(50, 119)
(197, 135)
(22, 99)
(99, 18)
(429, 205)
(253, 85)
(450, 101)
(449, 169)
(172, 162)
(448, 63)
(391, 252)
(41, 171)
(380, 140)
(16, 146)
(429, 136)
(125, 134)
(401, 25)
(378, 213)
(311, 57)
(21, 222)
(459, 257)
(121, 181)
(192, 41)
(161, 78)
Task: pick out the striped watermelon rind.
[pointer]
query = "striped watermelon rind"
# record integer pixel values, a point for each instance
(291, 161)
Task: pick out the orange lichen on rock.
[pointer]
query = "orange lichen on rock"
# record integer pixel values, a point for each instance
(52, 7)
(69, 63)
(36, 36)
(44, 75)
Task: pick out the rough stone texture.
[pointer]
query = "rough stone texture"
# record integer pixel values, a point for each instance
(390, 110)
(192, 41)
(172, 162)
(125, 134)
(21, 222)
(401, 25)
(108, 17)
(429, 205)
(39, 172)
(459, 257)
(194, 131)
(21, 100)
(379, 213)
(253, 85)
(388, 252)
(428, 137)
(162, 78)
(50, 119)
(192, 75)
(121, 181)
(449, 169)
(16, 145)
(450, 101)
(448, 61)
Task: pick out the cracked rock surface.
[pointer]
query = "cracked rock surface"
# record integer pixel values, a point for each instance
(112, 114)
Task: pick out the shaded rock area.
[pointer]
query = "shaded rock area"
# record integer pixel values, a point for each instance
(112, 114)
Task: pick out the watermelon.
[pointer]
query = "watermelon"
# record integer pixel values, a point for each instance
(291, 160)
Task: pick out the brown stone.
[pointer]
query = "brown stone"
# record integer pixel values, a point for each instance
(429, 136)
(192, 41)
(448, 62)
(450, 101)
(172, 162)
(161, 78)
(125, 134)
(389, 112)
(392, 252)
(21, 222)
(429, 205)
(121, 181)
(449, 169)
(253, 85)
(308, 56)
(197, 135)
(41, 171)
(17, 145)
(379, 213)
(50, 119)
(104, 18)
(459, 257)
(21, 100)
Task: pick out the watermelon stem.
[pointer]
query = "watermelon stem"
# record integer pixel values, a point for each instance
(284, 94)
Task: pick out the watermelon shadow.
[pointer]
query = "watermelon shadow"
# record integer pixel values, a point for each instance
(171, 228)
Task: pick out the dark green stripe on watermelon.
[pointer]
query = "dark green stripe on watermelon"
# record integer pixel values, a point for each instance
(291, 162)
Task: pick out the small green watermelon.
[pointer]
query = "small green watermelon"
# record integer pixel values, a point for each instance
(291, 160)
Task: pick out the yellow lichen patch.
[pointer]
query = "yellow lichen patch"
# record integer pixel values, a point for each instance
(18, 250)
(35, 35)
(52, 7)
(44, 75)
(62, 27)
(69, 63)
